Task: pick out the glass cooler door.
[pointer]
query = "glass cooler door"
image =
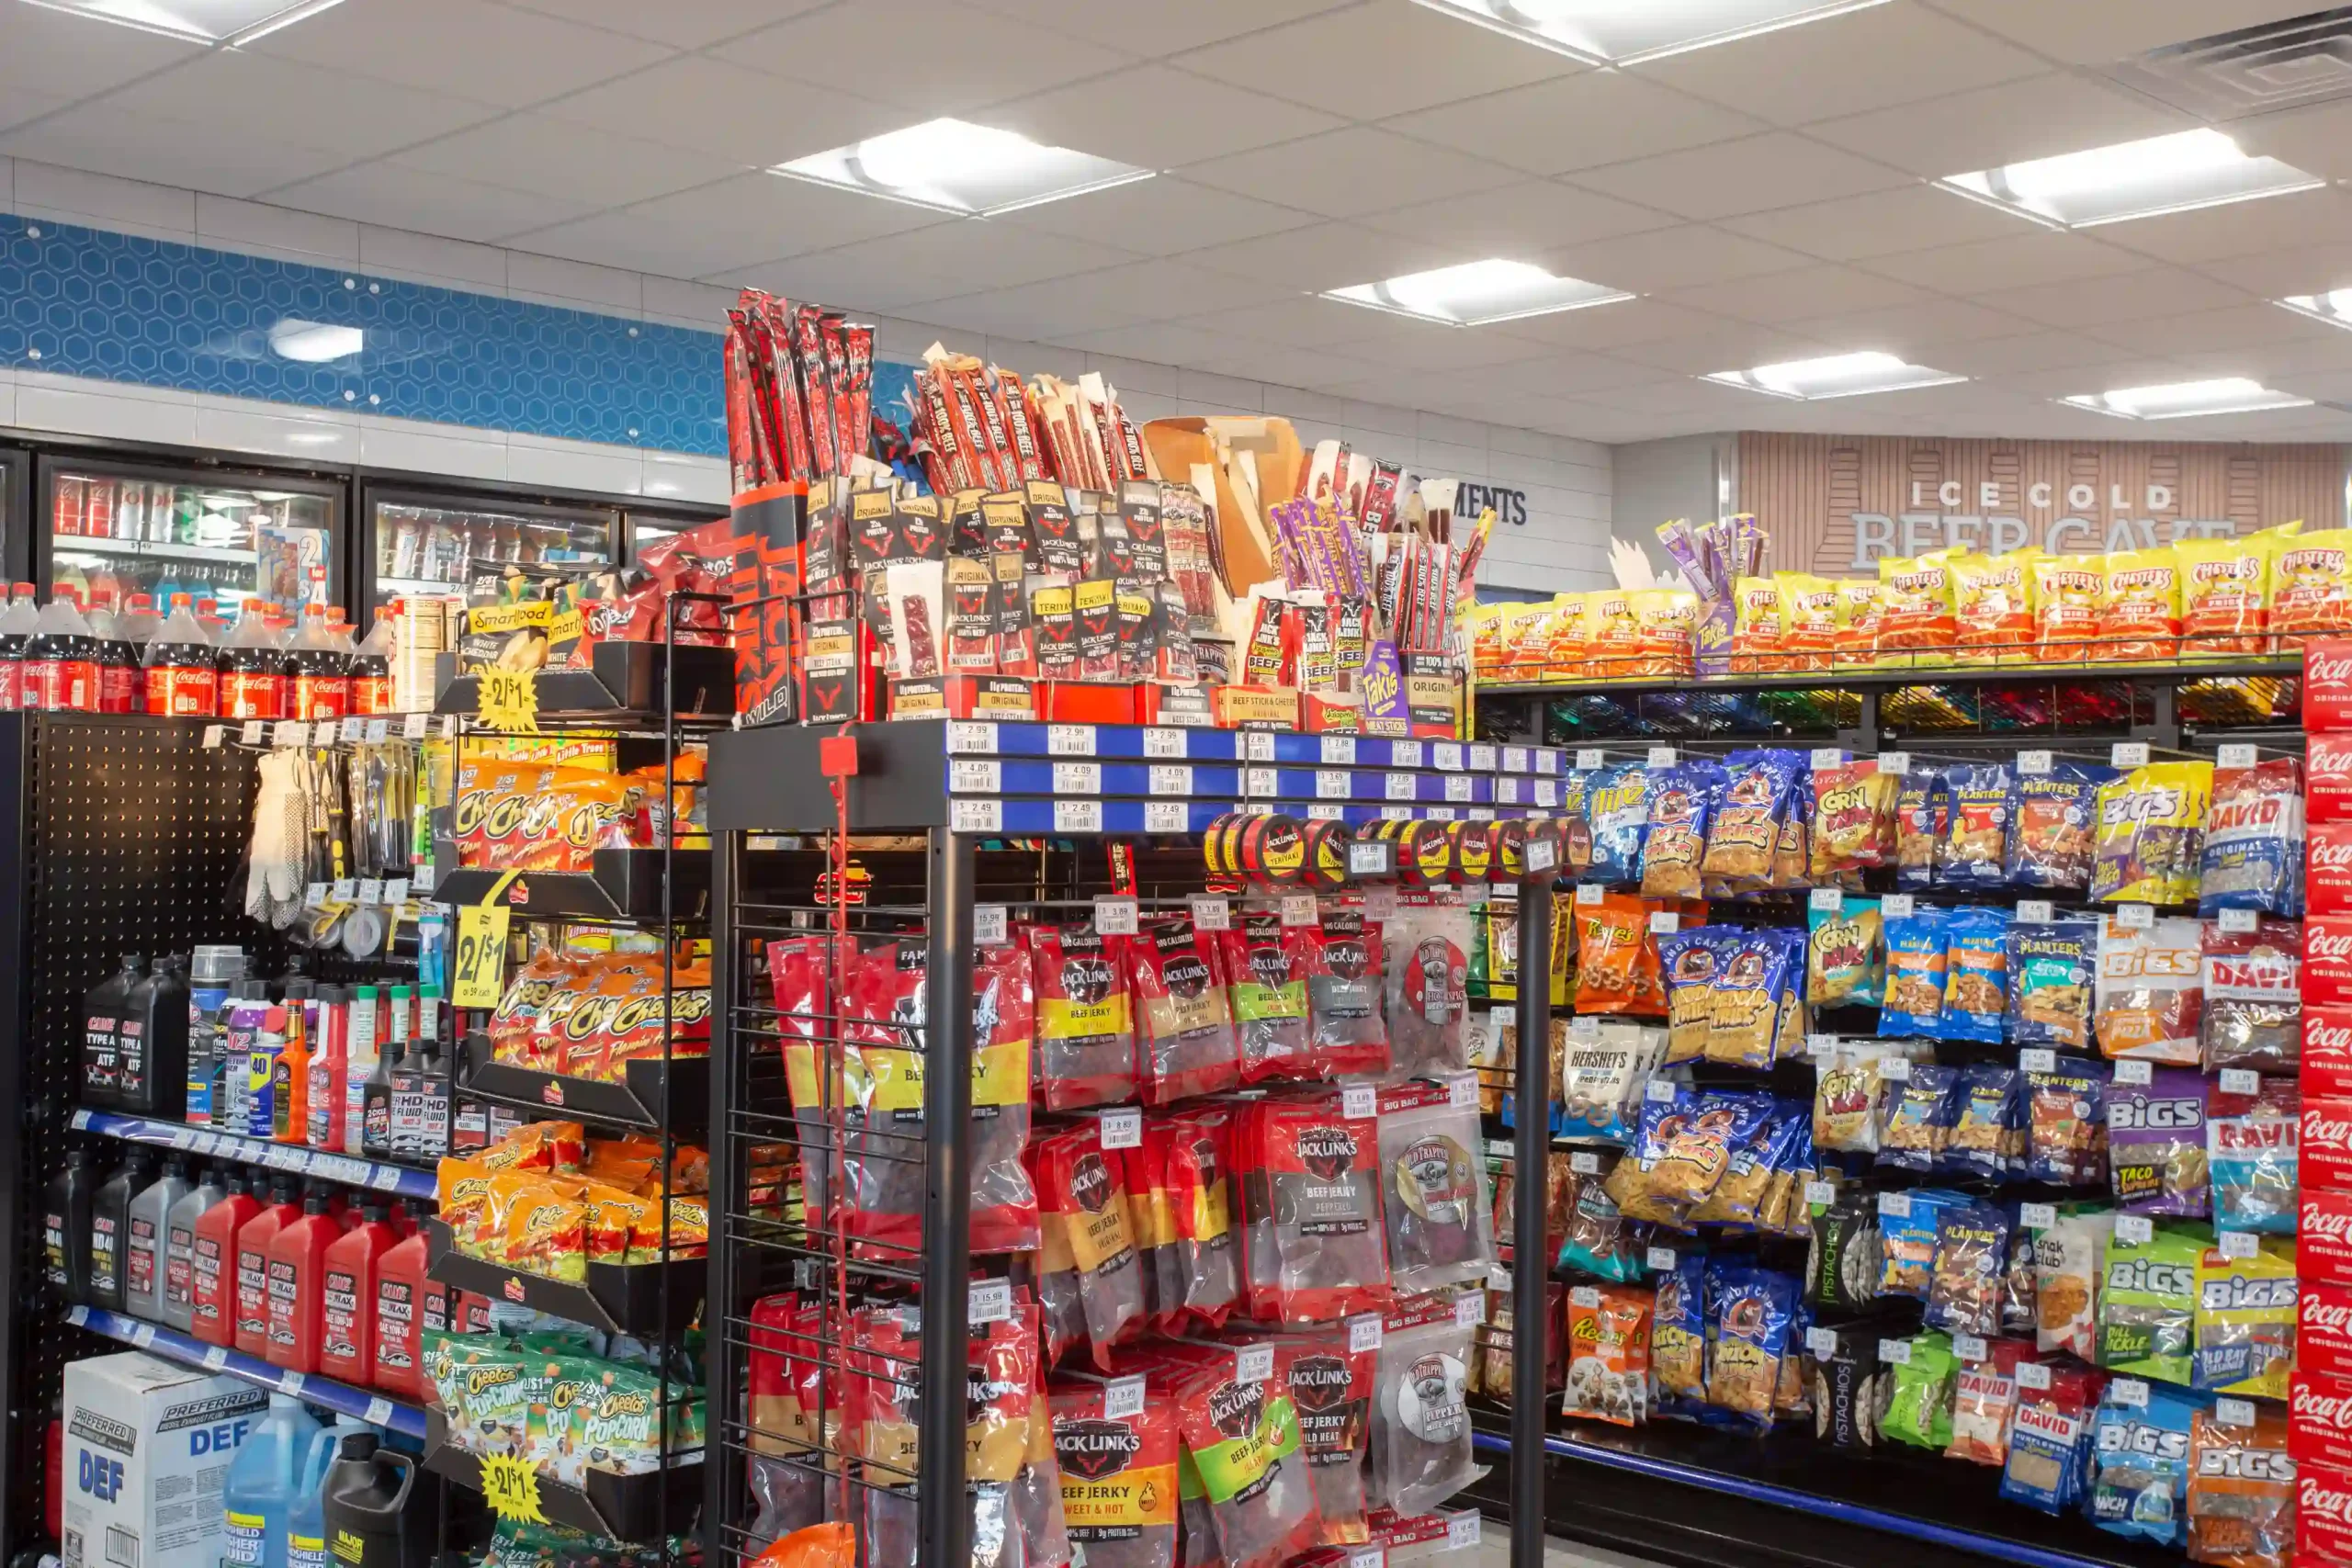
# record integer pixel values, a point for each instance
(220, 535)
(423, 543)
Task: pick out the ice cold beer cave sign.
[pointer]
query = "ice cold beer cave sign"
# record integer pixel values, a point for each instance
(2087, 523)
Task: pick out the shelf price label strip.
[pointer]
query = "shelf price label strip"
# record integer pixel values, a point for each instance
(1166, 743)
(1070, 780)
(174, 1345)
(381, 1177)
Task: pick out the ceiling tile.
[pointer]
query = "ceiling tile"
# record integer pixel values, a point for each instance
(2019, 261)
(1155, 30)
(67, 58)
(1735, 345)
(571, 162)
(106, 138)
(1609, 327)
(1923, 332)
(1575, 122)
(1670, 258)
(1419, 57)
(1748, 175)
(1782, 296)
(842, 280)
(231, 90)
(967, 57)
(1519, 221)
(1690, 395)
(1347, 172)
(2306, 269)
(2206, 331)
(2083, 302)
(2039, 117)
(1870, 59)
(1881, 222)
(1156, 118)
(959, 257)
(2241, 228)
(2318, 138)
(704, 233)
(725, 111)
(1330, 255)
(1398, 343)
(1297, 322)
(1560, 375)
(1156, 343)
(19, 104)
(1119, 296)
(2120, 369)
(2320, 348)
(681, 24)
(494, 54)
(2025, 352)
(397, 197)
(2093, 32)
(1159, 217)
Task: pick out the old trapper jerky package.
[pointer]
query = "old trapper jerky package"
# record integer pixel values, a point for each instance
(1428, 1002)
(1434, 1175)
(1420, 1419)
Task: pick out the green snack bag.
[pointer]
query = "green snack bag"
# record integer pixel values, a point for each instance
(2147, 1309)
(1919, 1410)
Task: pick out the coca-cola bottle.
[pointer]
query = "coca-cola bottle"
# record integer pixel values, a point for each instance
(322, 671)
(119, 674)
(15, 630)
(253, 667)
(183, 666)
(61, 659)
(371, 666)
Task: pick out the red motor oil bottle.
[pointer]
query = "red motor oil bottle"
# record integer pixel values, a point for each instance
(399, 1328)
(252, 670)
(254, 1239)
(297, 1264)
(61, 659)
(322, 671)
(15, 630)
(213, 1266)
(347, 1319)
(371, 666)
(183, 667)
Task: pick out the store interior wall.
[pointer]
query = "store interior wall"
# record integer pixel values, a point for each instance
(1683, 476)
(1552, 494)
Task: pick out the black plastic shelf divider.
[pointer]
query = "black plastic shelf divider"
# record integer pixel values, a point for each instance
(618, 1298)
(623, 683)
(381, 1176)
(625, 885)
(173, 1346)
(621, 1507)
(640, 1098)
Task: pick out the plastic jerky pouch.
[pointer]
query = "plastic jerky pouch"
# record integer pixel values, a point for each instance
(2050, 819)
(1086, 1052)
(1090, 1280)
(1346, 1032)
(1682, 801)
(1312, 1242)
(1243, 1444)
(1330, 1391)
(1434, 1172)
(1190, 1149)
(1428, 973)
(2254, 840)
(1265, 965)
(1118, 1477)
(2241, 1491)
(1420, 1420)
(1184, 1042)
(2155, 1134)
(2254, 1000)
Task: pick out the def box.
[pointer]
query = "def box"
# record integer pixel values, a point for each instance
(147, 1452)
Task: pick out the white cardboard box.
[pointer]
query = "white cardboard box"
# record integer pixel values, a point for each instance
(147, 1449)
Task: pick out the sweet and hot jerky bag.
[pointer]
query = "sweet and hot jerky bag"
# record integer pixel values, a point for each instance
(1428, 973)
(1190, 1150)
(1435, 1178)
(1090, 1280)
(1118, 1477)
(1265, 965)
(1420, 1421)
(1184, 1022)
(1312, 1244)
(1330, 1388)
(1345, 1030)
(1085, 1042)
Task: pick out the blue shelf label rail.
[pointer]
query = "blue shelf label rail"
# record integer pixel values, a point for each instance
(399, 1180)
(173, 1346)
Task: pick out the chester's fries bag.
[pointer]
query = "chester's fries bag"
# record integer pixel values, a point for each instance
(1526, 631)
(1861, 607)
(2066, 592)
(1916, 627)
(2311, 585)
(1756, 626)
(1992, 599)
(1563, 640)
(2225, 595)
(1488, 643)
(519, 817)
(1666, 631)
(2139, 611)
(1808, 620)
(1612, 635)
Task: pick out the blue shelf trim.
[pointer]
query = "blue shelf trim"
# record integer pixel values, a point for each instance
(397, 1179)
(170, 1343)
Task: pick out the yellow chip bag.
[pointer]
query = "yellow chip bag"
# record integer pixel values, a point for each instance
(1756, 626)
(1486, 624)
(1808, 620)
(2139, 611)
(1564, 654)
(2149, 843)
(2225, 595)
(2066, 592)
(1666, 631)
(1860, 607)
(2311, 585)
(1915, 628)
(1524, 637)
(1992, 599)
(1612, 638)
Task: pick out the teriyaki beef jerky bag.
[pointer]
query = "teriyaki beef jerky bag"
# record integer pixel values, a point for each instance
(1313, 1248)
(1346, 1031)
(1265, 965)
(1090, 1281)
(1331, 1389)
(1085, 1040)
(1420, 1422)
(1429, 1004)
(1118, 1476)
(1183, 1024)
(1433, 1173)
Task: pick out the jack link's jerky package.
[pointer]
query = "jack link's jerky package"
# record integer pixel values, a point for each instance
(1144, 1168)
(1313, 1242)
(2155, 1137)
(2140, 1462)
(1421, 1422)
(1330, 1385)
(1428, 1003)
(1183, 1025)
(1243, 1440)
(1434, 1171)
(1190, 1148)
(1090, 1280)
(1086, 1052)
(1118, 1477)
(1265, 963)
(1346, 1031)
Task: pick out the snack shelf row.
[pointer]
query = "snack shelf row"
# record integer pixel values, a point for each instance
(408, 1420)
(381, 1176)
(617, 1507)
(616, 1298)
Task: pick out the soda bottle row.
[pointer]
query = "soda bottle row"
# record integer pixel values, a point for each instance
(189, 664)
(156, 513)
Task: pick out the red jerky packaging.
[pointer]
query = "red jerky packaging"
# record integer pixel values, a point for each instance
(1189, 1151)
(1346, 1032)
(1144, 1163)
(1096, 600)
(2327, 961)
(1086, 1052)
(1118, 1477)
(1184, 1041)
(1242, 1441)
(1090, 1281)
(1266, 968)
(1420, 1420)
(1433, 1180)
(2324, 1329)
(1429, 975)
(1313, 1249)
(2327, 686)
(2325, 1064)
(2323, 1145)
(2319, 1420)
(1331, 1389)
(2323, 1237)
(2327, 779)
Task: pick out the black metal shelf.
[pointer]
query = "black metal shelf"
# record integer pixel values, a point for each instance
(640, 1100)
(625, 886)
(635, 1299)
(618, 1507)
(623, 686)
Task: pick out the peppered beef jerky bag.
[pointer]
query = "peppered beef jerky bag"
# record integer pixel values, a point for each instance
(1243, 1440)
(1434, 1176)
(1421, 1422)
(1346, 1032)
(1265, 965)
(1191, 1150)
(1085, 1042)
(1184, 1022)
(1090, 1280)
(1312, 1243)
(1118, 1477)
(1428, 1002)
(1331, 1389)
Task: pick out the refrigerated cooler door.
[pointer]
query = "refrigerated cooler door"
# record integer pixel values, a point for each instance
(224, 539)
(432, 546)
(649, 527)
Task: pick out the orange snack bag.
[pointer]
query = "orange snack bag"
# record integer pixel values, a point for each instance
(546, 1231)
(537, 1145)
(1757, 628)
(527, 816)
(2311, 586)
(1609, 1353)
(1611, 934)
(1808, 620)
(2139, 613)
(1993, 607)
(1916, 626)
(1861, 605)
(2225, 595)
(463, 1187)
(2066, 591)
(1612, 636)
(612, 1215)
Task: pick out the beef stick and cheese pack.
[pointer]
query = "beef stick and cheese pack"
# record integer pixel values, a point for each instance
(1312, 1242)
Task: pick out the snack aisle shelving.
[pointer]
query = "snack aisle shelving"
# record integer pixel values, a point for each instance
(408, 1420)
(379, 1176)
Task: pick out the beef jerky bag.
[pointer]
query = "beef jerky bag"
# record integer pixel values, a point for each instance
(1145, 1166)
(1313, 1248)
(1265, 965)
(1429, 972)
(1243, 1440)
(1434, 1179)
(1036, 1500)
(1183, 1023)
(1090, 1280)
(1346, 1032)
(1191, 1155)
(1118, 1476)
(1420, 1422)
(1085, 1043)
(1328, 1375)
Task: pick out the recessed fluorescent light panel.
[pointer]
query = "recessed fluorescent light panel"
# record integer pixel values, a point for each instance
(1478, 292)
(1626, 32)
(2186, 400)
(202, 21)
(2134, 179)
(1839, 376)
(2334, 309)
(955, 166)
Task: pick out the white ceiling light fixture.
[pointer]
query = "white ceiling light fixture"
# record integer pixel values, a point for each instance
(232, 22)
(2132, 179)
(1476, 293)
(2333, 307)
(2188, 399)
(953, 165)
(1836, 376)
(1627, 32)
(313, 343)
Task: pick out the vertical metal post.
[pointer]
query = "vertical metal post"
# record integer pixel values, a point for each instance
(947, 1205)
(1531, 1259)
(726, 1376)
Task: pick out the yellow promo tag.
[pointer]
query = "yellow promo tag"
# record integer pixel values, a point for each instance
(511, 1486)
(479, 976)
(509, 700)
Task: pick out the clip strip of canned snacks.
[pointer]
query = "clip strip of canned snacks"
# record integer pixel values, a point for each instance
(1047, 1115)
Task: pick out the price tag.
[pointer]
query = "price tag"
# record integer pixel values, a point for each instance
(2241, 1080)
(511, 1486)
(1462, 1092)
(1584, 1029)
(1477, 895)
(1469, 1308)
(1516, 759)
(1894, 1352)
(1395, 814)
(1894, 1205)
(1820, 1046)
(1458, 787)
(1507, 792)
(1542, 854)
(1464, 1529)
(1584, 1162)
(1821, 1343)
(1547, 793)
(1359, 1102)
(1661, 756)
(1164, 816)
(421, 876)
(971, 736)
(386, 1177)
(315, 894)
(2033, 764)
(1253, 1363)
(413, 725)
(1439, 813)
(379, 1412)
(2237, 754)
(479, 978)
(323, 732)
(1077, 778)
(1070, 740)
(1211, 914)
(2037, 1216)
(1664, 922)
(2038, 1059)
(213, 734)
(1660, 1089)
(2036, 911)
(1584, 1295)
(2128, 1391)
(1331, 783)
(1828, 757)
(1400, 786)
(976, 816)
(1260, 781)
(1591, 892)
(1336, 751)
(1364, 1333)
(254, 733)
(989, 1301)
(1123, 1399)
(1166, 743)
(143, 1335)
(1895, 906)
(1368, 1557)
(1482, 757)
(2240, 922)
(1299, 909)
(1896, 762)
(1819, 1193)
(378, 730)
(2129, 754)
(372, 890)
(1078, 816)
(1828, 901)
(2238, 1244)
(1895, 1069)
(2233, 1412)
(2135, 917)
(1660, 1258)
(215, 1357)
(288, 732)
(1258, 746)
(1115, 917)
(1969, 1347)
(2131, 1070)
(2134, 1230)
(1446, 755)
(1122, 1129)
(1588, 757)
(396, 890)
(990, 926)
(975, 776)
(293, 1383)
(2033, 1375)
(1379, 903)
(346, 889)
(509, 700)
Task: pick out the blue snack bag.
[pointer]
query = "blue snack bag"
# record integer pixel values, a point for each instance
(2050, 1443)
(1973, 849)
(1976, 975)
(1917, 960)
(2139, 1484)
(1683, 800)
(1921, 1111)
(2052, 818)
(2052, 966)
(1617, 809)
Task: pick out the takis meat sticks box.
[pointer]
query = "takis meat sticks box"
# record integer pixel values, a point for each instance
(767, 527)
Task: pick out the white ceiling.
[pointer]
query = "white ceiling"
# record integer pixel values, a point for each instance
(1768, 198)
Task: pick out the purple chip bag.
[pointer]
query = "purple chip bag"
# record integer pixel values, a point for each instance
(2155, 1137)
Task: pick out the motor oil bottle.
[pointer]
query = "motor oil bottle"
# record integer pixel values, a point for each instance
(298, 1256)
(254, 1239)
(261, 1488)
(212, 1288)
(330, 1061)
(366, 1016)
(61, 659)
(15, 632)
(289, 1078)
(347, 1318)
(182, 667)
(102, 1015)
(306, 1523)
(110, 1223)
(253, 670)
(261, 1062)
(432, 1118)
(399, 1328)
(144, 1239)
(65, 1218)
(322, 671)
(179, 1248)
(375, 1123)
(377, 1515)
(117, 661)
(154, 1043)
(408, 1102)
(371, 666)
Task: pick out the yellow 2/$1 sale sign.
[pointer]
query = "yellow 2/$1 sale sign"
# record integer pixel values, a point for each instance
(508, 700)
(511, 1487)
(478, 977)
